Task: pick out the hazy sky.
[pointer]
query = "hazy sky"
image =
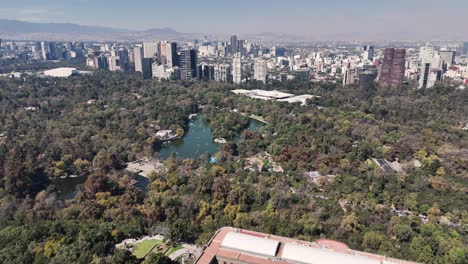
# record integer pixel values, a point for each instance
(304, 17)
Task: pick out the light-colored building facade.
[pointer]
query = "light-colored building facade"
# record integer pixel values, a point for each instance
(237, 246)
(260, 70)
(222, 72)
(150, 49)
(237, 70)
(114, 63)
(138, 58)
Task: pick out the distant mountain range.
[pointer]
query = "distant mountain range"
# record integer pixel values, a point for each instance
(21, 30)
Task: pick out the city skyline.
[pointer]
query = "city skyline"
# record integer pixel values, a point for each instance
(333, 19)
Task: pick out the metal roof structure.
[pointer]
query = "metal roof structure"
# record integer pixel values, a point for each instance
(248, 244)
(232, 245)
(299, 253)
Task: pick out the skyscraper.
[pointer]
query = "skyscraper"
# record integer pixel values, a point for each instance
(278, 51)
(237, 70)
(241, 47)
(368, 53)
(430, 72)
(114, 63)
(52, 51)
(188, 64)
(260, 70)
(429, 76)
(171, 54)
(102, 62)
(393, 67)
(349, 74)
(138, 58)
(150, 49)
(366, 78)
(147, 69)
(123, 58)
(426, 53)
(222, 72)
(234, 48)
(44, 50)
(448, 58)
(206, 72)
(465, 47)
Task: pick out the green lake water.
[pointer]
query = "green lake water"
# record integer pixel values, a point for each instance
(197, 141)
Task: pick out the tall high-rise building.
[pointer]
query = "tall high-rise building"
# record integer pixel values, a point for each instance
(429, 76)
(260, 70)
(44, 50)
(366, 78)
(278, 51)
(222, 72)
(138, 58)
(430, 71)
(393, 67)
(465, 47)
(426, 53)
(150, 49)
(114, 63)
(368, 53)
(241, 47)
(70, 46)
(147, 69)
(102, 62)
(124, 60)
(234, 43)
(172, 59)
(188, 64)
(53, 55)
(349, 75)
(205, 72)
(448, 58)
(237, 70)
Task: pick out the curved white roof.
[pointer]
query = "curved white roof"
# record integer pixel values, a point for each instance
(302, 254)
(249, 244)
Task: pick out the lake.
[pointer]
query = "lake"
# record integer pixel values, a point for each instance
(197, 141)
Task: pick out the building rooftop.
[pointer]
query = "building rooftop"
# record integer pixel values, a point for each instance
(305, 254)
(244, 246)
(61, 72)
(273, 94)
(243, 243)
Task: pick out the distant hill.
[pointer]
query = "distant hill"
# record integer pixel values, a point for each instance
(22, 27)
(21, 30)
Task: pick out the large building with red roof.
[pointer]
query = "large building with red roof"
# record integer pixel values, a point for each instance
(237, 246)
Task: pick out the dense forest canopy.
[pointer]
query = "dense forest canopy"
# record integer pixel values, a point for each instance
(92, 125)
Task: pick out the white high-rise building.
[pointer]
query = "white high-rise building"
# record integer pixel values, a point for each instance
(138, 59)
(222, 72)
(368, 53)
(150, 49)
(448, 57)
(44, 50)
(114, 63)
(171, 54)
(428, 75)
(237, 70)
(260, 70)
(348, 75)
(431, 67)
(426, 53)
